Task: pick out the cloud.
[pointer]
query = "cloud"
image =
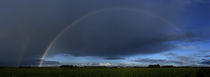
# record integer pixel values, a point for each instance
(174, 59)
(179, 57)
(206, 50)
(186, 59)
(105, 64)
(51, 63)
(199, 1)
(206, 56)
(205, 62)
(158, 61)
(184, 47)
(96, 64)
(114, 58)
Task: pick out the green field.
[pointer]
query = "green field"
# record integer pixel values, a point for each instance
(104, 72)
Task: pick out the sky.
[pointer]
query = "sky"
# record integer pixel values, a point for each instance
(104, 32)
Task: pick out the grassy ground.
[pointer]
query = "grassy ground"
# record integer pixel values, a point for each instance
(104, 72)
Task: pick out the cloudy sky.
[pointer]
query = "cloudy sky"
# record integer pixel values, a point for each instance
(104, 32)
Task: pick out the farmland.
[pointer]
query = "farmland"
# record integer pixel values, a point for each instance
(104, 72)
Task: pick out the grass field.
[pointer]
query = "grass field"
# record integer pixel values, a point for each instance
(104, 72)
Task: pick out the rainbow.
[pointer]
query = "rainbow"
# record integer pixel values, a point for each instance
(24, 49)
(59, 34)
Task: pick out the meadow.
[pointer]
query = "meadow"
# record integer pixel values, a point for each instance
(104, 72)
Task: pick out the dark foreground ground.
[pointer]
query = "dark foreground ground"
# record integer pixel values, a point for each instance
(104, 72)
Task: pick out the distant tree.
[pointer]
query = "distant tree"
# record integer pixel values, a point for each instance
(95, 67)
(154, 66)
(69, 66)
(168, 66)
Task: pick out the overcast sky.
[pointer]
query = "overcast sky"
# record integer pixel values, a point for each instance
(105, 32)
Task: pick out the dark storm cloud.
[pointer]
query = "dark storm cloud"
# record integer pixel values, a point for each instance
(29, 62)
(120, 32)
(114, 58)
(158, 61)
(27, 27)
(123, 33)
